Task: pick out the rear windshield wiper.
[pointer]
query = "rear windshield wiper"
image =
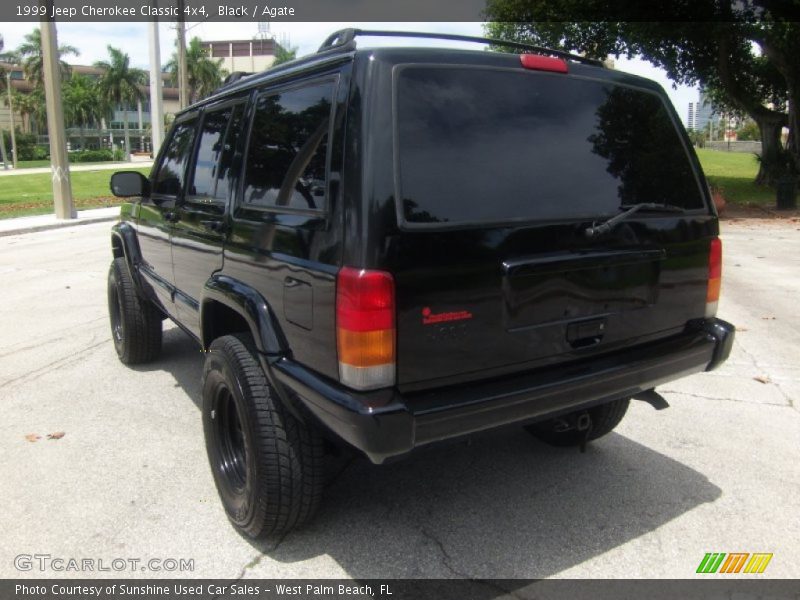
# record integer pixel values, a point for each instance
(606, 226)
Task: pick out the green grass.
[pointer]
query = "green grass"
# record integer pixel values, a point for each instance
(22, 195)
(734, 173)
(33, 164)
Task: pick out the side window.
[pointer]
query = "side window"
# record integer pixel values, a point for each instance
(170, 177)
(287, 152)
(215, 153)
(224, 170)
(209, 147)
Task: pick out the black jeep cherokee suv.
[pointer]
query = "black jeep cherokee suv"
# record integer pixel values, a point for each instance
(384, 248)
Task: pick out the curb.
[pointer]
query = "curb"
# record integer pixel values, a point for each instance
(59, 225)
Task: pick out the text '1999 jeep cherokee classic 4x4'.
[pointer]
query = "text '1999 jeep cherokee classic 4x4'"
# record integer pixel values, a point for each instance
(385, 248)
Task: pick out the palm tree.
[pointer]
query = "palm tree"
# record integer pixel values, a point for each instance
(204, 73)
(29, 106)
(119, 86)
(30, 53)
(82, 104)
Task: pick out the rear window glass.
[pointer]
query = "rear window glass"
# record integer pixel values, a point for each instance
(479, 145)
(288, 147)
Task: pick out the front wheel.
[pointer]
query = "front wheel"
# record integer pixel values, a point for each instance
(135, 322)
(580, 427)
(267, 465)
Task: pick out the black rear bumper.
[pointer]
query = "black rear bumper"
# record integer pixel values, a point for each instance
(385, 424)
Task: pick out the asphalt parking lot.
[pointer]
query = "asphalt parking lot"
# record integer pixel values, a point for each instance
(717, 472)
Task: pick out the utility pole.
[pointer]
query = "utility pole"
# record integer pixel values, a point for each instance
(11, 118)
(156, 95)
(59, 163)
(2, 139)
(183, 75)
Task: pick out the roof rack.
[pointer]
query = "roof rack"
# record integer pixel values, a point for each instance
(235, 76)
(345, 39)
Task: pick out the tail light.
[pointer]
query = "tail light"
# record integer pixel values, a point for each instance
(537, 62)
(365, 328)
(714, 277)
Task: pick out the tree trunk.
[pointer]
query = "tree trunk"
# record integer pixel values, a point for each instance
(83, 136)
(770, 129)
(127, 138)
(793, 143)
(3, 149)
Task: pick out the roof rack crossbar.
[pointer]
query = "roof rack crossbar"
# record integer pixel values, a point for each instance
(345, 37)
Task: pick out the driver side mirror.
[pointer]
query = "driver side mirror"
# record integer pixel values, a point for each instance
(126, 184)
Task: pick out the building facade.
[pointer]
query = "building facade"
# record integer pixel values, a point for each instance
(250, 56)
(110, 130)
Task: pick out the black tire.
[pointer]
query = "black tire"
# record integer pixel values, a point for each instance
(135, 323)
(604, 418)
(267, 465)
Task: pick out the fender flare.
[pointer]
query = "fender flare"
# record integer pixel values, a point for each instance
(124, 240)
(252, 306)
(271, 344)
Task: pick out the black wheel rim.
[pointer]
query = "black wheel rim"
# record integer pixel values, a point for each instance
(232, 455)
(115, 311)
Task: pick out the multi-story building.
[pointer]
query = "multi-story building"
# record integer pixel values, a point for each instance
(237, 55)
(109, 131)
(250, 56)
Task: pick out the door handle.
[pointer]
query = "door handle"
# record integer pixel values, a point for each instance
(171, 217)
(214, 225)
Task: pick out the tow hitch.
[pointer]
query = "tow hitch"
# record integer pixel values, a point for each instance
(582, 422)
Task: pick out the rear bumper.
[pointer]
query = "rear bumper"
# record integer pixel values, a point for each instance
(385, 423)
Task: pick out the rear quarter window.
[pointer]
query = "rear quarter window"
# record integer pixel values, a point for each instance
(504, 145)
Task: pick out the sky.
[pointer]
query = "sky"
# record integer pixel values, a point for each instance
(92, 38)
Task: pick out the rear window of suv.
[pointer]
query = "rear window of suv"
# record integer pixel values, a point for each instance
(499, 145)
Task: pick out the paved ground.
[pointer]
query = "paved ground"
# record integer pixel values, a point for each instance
(718, 471)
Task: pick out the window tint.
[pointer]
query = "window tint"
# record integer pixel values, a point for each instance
(212, 138)
(287, 152)
(215, 151)
(492, 145)
(169, 178)
(224, 171)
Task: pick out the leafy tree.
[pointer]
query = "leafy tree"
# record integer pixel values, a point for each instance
(30, 53)
(748, 131)
(119, 86)
(705, 41)
(204, 73)
(284, 55)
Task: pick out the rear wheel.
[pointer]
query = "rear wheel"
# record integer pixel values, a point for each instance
(135, 322)
(582, 426)
(267, 465)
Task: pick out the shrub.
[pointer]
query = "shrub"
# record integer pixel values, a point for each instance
(83, 156)
(26, 146)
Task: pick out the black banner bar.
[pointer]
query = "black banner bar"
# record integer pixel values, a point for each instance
(243, 10)
(349, 11)
(718, 588)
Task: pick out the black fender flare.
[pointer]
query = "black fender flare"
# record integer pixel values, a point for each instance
(125, 242)
(252, 306)
(271, 344)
